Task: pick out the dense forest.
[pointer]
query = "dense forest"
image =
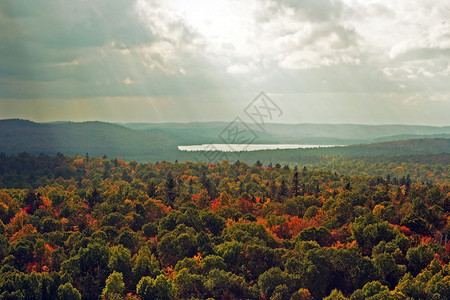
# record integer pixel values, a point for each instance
(90, 228)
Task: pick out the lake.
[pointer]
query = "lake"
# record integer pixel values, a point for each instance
(247, 147)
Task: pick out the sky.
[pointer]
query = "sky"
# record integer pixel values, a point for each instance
(320, 61)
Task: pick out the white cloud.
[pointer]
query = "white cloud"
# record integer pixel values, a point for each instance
(238, 69)
(127, 81)
(177, 48)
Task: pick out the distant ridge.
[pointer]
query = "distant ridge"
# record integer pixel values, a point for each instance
(156, 142)
(96, 138)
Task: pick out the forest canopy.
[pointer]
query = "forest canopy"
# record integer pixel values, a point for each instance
(90, 228)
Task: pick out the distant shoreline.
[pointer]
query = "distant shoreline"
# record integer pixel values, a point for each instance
(248, 147)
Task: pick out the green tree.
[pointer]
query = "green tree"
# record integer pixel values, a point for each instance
(155, 289)
(150, 229)
(225, 284)
(335, 295)
(152, 189)
(368, 231)
(170, 190)
(388, 270)
(271, 279)
(312, 234)
(372, 290)
(230, 252)
(281, 292)
(419, 257)
(90, 268)
(120, 260)
(114, 286)
(211, 221)
(257, 259)
(68, 292)
(144, 265)
(295, 186)
(211, 262)
(189, 285)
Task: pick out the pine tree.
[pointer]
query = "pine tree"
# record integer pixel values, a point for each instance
(151, 189)
(170, 190)
(283, 190)
(348, 187)
(295, 190)
(317, 189)
(94, 197)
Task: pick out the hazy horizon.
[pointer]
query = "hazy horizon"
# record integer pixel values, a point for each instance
(212, 121)
(146, 61)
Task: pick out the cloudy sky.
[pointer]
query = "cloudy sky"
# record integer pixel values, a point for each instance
(321, 61)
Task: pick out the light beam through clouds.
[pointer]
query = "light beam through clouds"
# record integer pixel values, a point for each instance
(324, 61)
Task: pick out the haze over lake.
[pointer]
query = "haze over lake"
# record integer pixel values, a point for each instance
(246, 147)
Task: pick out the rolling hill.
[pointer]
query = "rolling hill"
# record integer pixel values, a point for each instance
(156, 142)
(95, 138)
(331, 134)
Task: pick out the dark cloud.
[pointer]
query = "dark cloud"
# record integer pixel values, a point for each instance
(89, 49)
(68, 24)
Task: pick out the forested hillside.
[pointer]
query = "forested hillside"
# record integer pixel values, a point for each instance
(157, 142)
(97, 138)
(84, 227)
(334, 134)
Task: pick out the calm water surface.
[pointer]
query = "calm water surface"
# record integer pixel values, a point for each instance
(246, 147)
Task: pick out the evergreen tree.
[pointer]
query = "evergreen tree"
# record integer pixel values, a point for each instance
(348, 187)
(283, 191)
(295, 191)
(170, 190)
(151, 189)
